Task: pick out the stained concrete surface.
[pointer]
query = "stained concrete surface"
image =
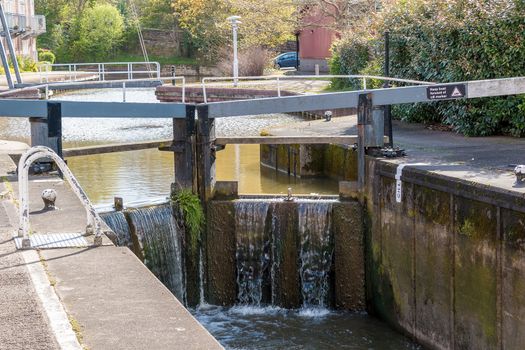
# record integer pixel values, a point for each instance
(120, 304)
(23, 322)
(484, 160)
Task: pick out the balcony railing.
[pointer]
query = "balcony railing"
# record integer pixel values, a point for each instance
(27, 26)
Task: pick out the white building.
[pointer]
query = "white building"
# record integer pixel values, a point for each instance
(24, 25)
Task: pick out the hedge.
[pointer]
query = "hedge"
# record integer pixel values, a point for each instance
(447, 41)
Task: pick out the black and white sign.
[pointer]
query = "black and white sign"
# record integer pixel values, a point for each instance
(446, 92)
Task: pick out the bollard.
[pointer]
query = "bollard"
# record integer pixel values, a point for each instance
(173, 75)
(118, 203)
(49, 196)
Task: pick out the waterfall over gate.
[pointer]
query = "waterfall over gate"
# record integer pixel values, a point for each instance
(316, 252)
(159, 237)
(253, 255)
(119, 225)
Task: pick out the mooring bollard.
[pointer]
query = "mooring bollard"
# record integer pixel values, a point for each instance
(49, 196)
(118, 203)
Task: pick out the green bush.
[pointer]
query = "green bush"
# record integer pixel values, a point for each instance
(99, 34)
(446, 41)
(27, 64)
(46, 56)
(350, 56)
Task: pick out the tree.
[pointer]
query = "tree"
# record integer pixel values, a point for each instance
(100, 32)
(264, 23)
(338, 15)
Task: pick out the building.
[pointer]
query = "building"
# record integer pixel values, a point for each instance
(24, 26)
(315, 41)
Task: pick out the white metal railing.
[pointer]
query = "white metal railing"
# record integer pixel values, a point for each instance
(94, 225)
(98, 71)
(123, 83)
(278, 79)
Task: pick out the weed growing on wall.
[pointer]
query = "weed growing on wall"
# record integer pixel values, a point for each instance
(193, 213)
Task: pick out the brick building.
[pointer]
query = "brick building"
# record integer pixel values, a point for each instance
(24, 26)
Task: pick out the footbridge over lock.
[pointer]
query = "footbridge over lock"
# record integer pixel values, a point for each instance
(194, 139)
(195, 144)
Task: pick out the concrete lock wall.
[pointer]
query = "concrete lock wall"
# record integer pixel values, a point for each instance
(446, 265)
(332, 161)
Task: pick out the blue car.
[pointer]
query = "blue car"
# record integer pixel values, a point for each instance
(287, 59)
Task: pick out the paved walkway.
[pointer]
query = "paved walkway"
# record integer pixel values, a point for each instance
(23, 321)
(485, 160)
(111, 299)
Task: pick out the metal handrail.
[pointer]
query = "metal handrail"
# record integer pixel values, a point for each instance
(123, 82)
(279, 78)
(94, 224)
(99, 69)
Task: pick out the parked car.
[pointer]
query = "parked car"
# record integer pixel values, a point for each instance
(287, 59)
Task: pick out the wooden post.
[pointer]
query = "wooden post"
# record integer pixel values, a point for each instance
(364, 113)
(183, 136)
(205, 154)
(48, 132)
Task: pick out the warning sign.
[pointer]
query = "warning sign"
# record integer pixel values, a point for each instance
(445, 92)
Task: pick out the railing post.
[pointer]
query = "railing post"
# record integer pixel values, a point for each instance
(205, 154)
(130, 71)
(123, 91)
(103, 72)
(183, 90)
(364, 113)
(388, 109)
(204, 90)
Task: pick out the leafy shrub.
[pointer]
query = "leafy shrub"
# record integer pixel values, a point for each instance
(446, 41)
(27, 64)
(46, 56)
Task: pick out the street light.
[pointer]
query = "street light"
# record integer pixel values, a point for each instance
(234, 21)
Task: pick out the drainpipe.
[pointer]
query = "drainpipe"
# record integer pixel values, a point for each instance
(12, 52)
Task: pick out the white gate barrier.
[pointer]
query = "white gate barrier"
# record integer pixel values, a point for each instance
(93, 220)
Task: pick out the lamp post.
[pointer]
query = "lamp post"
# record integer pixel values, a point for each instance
(234, 21)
